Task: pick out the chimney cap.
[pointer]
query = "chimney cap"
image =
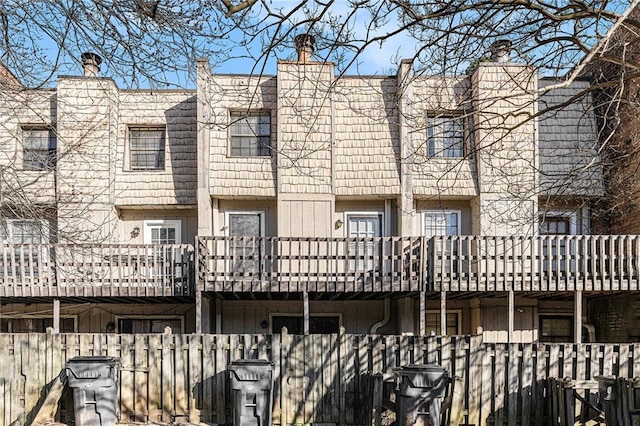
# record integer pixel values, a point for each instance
(90, 58)
(500, 50)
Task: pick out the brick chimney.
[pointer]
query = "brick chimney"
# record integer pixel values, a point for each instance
(305, 45)
(91, 64)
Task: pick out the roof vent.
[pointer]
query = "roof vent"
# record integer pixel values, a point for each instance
(305, 45)
(91, 64)
(501, 51)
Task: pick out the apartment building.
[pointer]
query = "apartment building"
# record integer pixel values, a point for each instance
(381, 204)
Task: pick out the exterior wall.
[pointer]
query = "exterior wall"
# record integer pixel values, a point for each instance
(176, 183)
(569, 159)
(87, 116)
(93, 318)
(130, 219)
(218, 95)
(247, 316)
(367, 149)
(616, 318)
(505, 148)
(438, 176)
(20, 108)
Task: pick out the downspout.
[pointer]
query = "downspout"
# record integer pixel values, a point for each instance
(385, 319)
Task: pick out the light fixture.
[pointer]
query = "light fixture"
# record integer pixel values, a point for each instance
(135, 232)
(339, 223)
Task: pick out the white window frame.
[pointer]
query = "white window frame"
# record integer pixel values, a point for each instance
(440, 151)
(128, 152)
(151, 317)
(572, 215)
(458, 312)
(53, 151)
(44, 229)
(378, 214)
(425, 213)
(148, 225)
(236, 115)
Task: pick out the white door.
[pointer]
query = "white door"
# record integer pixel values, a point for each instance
(245, 252)
(364, 255)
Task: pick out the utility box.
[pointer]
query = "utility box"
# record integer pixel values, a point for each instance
(421, 390)
(609, 399)
(251, 383)
(94, 380)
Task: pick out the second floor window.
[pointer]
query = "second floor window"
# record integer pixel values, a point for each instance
(39, 149)
(440, 223)
(250, 134)
(24, 231)
(146, 148)
(445, 135)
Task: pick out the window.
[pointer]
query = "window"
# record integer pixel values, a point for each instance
(35, 325)
(453, 322)
(558, 223)
(146, 148)
(558, 253)
(440, 223)
(319, 324)
(25, 231)
(556, 328)
(39, 149)
(362, 254)
(162, 232)
(445, 135)
(149, 325)
(250, 134)
(245, 249)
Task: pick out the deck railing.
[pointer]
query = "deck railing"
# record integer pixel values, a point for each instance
(541, 263)
(96, 270)
(311, 264)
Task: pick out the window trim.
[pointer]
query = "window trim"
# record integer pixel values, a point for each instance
(556, 315)
(424, 213)
(27, 315)
(229, 213)
(378, 214)
(180, 317)
(8, 237)
(464, 118)
(128, 151)
(572, 215)
(243, 114)
(299, 314)
(53, 159)
(458, 312)
(148, 225)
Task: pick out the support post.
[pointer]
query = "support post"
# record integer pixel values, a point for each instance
(305, 307)
(218, 315)
(56, 316)
(578, 316)
(443, 312)
(423, 313)
(198, 312)
(512, 308)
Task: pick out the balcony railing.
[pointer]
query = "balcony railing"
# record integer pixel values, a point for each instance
(280, 264)
(542, 263)
(96, 270)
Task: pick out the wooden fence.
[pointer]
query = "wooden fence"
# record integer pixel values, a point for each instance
(318, 378)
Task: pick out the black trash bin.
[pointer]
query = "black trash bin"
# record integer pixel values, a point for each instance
(422, 387)
(251, 382)
(94, 380)
(609, 399)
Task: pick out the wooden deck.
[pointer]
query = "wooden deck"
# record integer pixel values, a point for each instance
(116, 270)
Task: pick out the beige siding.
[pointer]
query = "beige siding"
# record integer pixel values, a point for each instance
(569, 158)
(130, 219)
(367, 151)
(176, 183)
(237, 176)
(18, 109)
(87, 137)
(305, 128)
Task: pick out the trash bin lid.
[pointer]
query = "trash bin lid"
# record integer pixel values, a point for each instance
(94, 359)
